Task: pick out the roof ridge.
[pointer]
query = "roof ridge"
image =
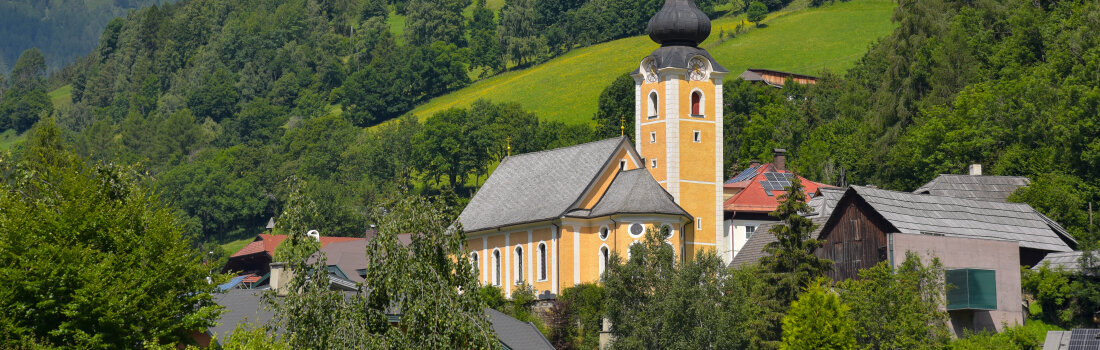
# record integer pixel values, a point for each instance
(564, 148)
(861, 188)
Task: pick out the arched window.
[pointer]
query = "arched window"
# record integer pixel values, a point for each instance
(496, 267)
(542, 261)
(519, 265)
(473, 261)
(696, 103)
(604, 253)
(653, 105)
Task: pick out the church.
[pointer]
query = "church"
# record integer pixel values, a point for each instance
(551, 219)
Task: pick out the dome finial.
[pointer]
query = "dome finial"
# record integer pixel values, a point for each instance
(679, 23)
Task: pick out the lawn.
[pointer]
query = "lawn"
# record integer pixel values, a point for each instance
(62, 97)
(234, 246)
(802, 40)
(9, 138)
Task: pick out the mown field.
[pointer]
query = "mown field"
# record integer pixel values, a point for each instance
(802, 40)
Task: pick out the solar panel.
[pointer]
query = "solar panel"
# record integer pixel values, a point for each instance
(1084, 339)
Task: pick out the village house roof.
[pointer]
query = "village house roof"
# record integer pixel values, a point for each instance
(245, 306)
(550, 184)
(979, 187)
(753, 249)
(1067, 261)
(759, 188)
(773, 78)
(266, 243)
(959, 217)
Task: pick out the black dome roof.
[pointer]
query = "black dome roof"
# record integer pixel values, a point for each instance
(679, 23)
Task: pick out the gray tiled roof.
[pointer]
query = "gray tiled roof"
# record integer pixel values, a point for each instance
(824, 204)
(753, 250)
(537, 186)
(349, 256)
(987, 188)
(636, 192)
(1068, 261)
(958, 217)
(515, 334)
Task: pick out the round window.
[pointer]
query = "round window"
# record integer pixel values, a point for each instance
(666, 231)
(603, 233)
(636, 229)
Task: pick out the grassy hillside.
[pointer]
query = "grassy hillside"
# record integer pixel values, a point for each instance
(805, 41)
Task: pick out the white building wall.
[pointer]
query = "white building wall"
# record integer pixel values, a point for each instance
(738, 233)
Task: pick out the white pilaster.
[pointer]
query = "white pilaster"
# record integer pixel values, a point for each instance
(719, 159)
(555, 235)
(637, 114)
(484, 259)
(506, 255)
(528, 252)
(672, 135)
(576, 255)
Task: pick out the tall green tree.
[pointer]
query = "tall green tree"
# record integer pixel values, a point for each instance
(756, 12)
(519, 32)
(818, 320)
(429, 21)
(90, 257)
(485, 51)
(790, 259)
(615, 114)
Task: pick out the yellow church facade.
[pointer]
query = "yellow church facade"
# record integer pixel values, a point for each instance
(551, 219)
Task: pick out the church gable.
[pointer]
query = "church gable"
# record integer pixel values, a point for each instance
(540, 186)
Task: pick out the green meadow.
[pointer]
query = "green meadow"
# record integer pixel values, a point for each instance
(801, 40)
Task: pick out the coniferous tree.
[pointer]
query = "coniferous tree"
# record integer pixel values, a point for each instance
(790, 259)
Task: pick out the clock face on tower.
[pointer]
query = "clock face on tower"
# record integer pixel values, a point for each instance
(698, 69)
(649, 69)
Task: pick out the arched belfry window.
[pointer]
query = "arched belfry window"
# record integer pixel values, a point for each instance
(697, 103)
(604, 254)
(653, 105)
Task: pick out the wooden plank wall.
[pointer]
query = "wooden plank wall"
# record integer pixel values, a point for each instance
(856, 242)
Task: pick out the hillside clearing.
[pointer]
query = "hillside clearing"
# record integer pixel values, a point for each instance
(567, 88)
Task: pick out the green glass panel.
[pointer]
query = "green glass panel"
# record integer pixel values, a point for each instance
(957, 289)
(983, 289)
(971, 289)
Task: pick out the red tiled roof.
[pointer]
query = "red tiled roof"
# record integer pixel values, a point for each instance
(268, 242)
(753, 198)
(252, 278)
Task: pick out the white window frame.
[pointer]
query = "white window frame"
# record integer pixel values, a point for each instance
(697, 136)
(631, 233)
(622, 164)
(601, 231)
(603, 256)
(475, 261)
(518, 266)
(652, 137)
(540, 251)
(698, 223)
(654, 104)
(653, 163)
(702, 103)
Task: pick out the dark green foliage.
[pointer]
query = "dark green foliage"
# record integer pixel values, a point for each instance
(655, 301)
(616, 110)
(216, 98)
(90, 257)
(1067, 299)
(26, 101)
(756, 12)
(485, 49)
(585, 306)
(431, 21)
(898, 308)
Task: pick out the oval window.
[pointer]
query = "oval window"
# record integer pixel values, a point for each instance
(666, 231)
(603, 233)
(636, 229)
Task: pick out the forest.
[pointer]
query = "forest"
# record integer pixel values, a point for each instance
(221, 102)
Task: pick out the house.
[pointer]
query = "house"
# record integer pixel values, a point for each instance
(974, 185)
(1068, 261)
(253, 261)
(775, 78)
(751, 196)
(551, 219)
(981, 245)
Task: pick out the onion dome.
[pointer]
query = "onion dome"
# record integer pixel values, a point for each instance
(679, 23)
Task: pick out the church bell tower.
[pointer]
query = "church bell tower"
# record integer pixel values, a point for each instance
(678, 118)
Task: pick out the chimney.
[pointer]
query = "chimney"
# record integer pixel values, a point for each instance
(975, 170)
(279, 278)
(780, 159)
(372, 231)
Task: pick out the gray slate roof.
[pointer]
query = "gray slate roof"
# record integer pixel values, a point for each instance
(824, 204)
(958, 217)
(1068, 261)
(349, 256)
(636, 192)
(986, 188)
(537, 186)
(753, 250)
(515, 334)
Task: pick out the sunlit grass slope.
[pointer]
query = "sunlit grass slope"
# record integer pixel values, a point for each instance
(567, 88)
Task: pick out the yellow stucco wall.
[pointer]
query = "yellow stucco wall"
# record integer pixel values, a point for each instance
(606, 176)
